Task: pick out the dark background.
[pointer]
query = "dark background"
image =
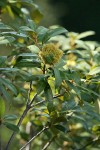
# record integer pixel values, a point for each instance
(79, 15)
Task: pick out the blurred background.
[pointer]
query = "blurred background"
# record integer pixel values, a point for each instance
(75, 15)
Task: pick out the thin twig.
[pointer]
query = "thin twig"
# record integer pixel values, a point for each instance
(28, 106)
(55, 96)
(48, 143)
(38, 103)
(34, 137)
(58, 95)
(19, 123)
(44, 69)
(33, 99)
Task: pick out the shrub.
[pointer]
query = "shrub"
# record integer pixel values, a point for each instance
(49, 88)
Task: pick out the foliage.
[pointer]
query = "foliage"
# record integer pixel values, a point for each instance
(54, 99)
(21, 9)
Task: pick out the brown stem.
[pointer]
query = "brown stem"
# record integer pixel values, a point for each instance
(34, 137)
(19, 123)
(28, 106)
(44, 68)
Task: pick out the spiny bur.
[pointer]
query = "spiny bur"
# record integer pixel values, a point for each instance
(51, 54)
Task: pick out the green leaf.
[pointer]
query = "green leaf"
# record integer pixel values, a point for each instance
(2, 60)
(85, 34)
(97, 106)
(9, 69)
(6, 39)
(77, 90)
(34, 77)
(79, 118)
(32, 25)
(70, 105)
(41, 85)
(33, 49)
(25, 28)
(60, 64)
(91, 111)
(41, 32)
(88, 90)
(94, 71)
(10, 117)
(4, 27)
(53, 32)
(73, 75)
(14, 33)
(2, 107)
(28, 63)
(11, 126)
(9, 85)
(4, 92)
(36, 15)
(49, 97)
(28, 55)
(48, 92)
(58, 79)
(24, 136)
(61, 128)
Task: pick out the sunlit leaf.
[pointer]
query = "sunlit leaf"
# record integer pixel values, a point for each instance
(85, 34)
(36, 15)
(94, 71)
(33, 49)
(6, 40)
(28, 55)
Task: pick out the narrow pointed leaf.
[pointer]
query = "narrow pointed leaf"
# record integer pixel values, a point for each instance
(10, 117)
(53, 32)
(58, 78)
(9, 85)
(11, 126)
